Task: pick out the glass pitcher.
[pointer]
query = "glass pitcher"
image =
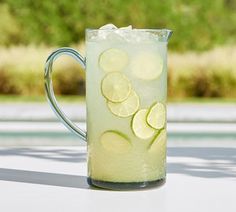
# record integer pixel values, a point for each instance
(126, 90)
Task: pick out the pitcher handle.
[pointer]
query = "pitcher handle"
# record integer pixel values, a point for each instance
(49, 87)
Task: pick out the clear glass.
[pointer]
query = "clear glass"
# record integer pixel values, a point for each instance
(126, 90)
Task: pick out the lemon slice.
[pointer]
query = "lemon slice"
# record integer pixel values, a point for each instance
(115, 141)
(116, 87)
(156, 117)
(157, 145)
(127, 107)
(113, 60)
(140, 127)
(147, 65)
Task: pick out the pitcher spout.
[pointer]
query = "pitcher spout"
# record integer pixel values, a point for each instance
(169, 34)
(163, 34)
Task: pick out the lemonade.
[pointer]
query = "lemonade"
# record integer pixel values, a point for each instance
(126, 87)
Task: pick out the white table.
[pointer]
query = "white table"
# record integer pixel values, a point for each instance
(52, 179)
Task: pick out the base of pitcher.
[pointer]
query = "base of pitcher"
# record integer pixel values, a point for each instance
(126, 186)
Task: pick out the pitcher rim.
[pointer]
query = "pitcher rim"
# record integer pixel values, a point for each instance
(134, 29)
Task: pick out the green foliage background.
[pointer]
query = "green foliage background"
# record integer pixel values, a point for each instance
(197, 24)
(201, 61)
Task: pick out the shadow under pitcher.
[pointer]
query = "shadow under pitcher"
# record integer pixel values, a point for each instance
(126, 90)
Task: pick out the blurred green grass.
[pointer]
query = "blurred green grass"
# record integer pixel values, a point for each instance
(208, 74)
(197, 24)
(40, 99)
(201, 58)
(22, 69)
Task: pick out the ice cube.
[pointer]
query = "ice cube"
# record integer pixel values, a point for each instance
(114, 36)
(137, 36)
(105, 30)
(128, 34)
(123, 33)
(108, 26)
(126, 28)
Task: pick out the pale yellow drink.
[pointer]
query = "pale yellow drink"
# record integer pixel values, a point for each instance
(126, 81)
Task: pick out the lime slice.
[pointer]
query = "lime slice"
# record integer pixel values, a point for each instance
(140, 127)
(156, 117)
(147, 65)
(116, 87)
(127, 107)
(113, 60)
(115, 141)
(157, 145)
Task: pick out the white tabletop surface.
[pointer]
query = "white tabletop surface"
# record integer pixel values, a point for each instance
(53, 179)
